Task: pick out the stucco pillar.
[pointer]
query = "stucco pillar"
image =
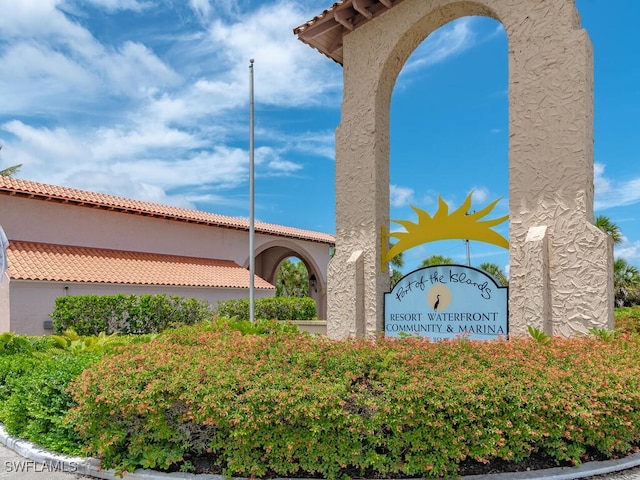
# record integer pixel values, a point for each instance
(362, 197)
(537, 298)
(551, 184)
(352, 320)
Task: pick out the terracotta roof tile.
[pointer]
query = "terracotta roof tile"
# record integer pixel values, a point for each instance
(15, 186)
(325, 32)
(62, 263)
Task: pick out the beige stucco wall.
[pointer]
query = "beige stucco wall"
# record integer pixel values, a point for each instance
(314, 327)
(33, 302)
(550, 165)
(51, 222)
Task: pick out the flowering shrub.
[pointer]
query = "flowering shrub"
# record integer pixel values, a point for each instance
(35, 372)
(628, 319)
(286, 404)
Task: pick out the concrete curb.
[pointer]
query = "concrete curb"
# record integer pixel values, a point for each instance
(91, 466)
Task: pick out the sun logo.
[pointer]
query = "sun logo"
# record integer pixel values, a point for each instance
(459, 225)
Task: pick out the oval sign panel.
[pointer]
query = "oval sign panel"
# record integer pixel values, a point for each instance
(446, 302)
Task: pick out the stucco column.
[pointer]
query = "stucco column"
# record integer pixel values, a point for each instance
(551, 185)
(362, 199)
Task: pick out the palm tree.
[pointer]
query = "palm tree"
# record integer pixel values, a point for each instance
(8, 172)
(626, 283)
(626, 277)
(607, 226)
(496, 272)
(397, 263)
(292, 280)
(434, 260)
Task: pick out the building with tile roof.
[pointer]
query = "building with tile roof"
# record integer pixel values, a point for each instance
(64, 241)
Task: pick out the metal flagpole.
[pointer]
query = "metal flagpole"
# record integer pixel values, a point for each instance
(252, 262)
(468, 254)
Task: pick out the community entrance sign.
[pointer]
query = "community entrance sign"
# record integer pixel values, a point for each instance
(445, 302)
(560, 264)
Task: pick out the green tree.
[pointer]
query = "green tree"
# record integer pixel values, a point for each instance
(434, 260)
(607, 226)
(8, 172)
(292, 280)
(626, 277)
(397, 263)
(496, 272)
(626, 283)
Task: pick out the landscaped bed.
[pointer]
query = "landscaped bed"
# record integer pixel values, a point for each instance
(210, 398)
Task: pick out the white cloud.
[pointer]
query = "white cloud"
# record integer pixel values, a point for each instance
(611, 193)
(274, 163)
(135, 141)
(284, 166)
(29, 19)
(321, 144)
(400, 196)
(222, 167)
(122, 160)
(42, 149)
(480, 195)
(206, 9)
(134, 70)
(201, 7)
(116, 5)
(144, 122)
(37, 79)
(65, 66)
(601, 184)
(287, 73)
(123, 185)
(447, 41)
(630, 251)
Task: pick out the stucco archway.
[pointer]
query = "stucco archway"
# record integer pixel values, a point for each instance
(560, 264)
(270, 255)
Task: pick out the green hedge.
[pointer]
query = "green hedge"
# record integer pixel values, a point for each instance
(126, 314)
(35, 373)
(34, 398)
(271, 308)
(285, 404)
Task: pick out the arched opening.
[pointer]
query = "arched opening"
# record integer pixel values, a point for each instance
(293, 271)
(449, 134)
(550, 170)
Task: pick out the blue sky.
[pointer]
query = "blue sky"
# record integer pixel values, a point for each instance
(148, 99)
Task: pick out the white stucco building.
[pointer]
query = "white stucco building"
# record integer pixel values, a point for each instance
(64, 241)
